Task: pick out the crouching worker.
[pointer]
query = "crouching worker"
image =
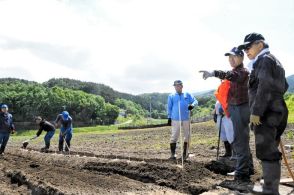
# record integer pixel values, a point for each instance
(65, 130)
(179, 106)
(46, 126)
(6, 127)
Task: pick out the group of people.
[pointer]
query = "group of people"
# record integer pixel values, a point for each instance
(66, 131)
(63, 120)
(254, 100)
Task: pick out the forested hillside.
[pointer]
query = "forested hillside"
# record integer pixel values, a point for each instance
(28, 99)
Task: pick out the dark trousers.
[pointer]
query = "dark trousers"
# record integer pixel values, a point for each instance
(240, 117)
(4, 137)
(266, 143)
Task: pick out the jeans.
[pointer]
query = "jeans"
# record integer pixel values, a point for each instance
(4, 137)
(48, 137)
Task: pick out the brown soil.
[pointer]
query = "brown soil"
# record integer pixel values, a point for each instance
(131, 162)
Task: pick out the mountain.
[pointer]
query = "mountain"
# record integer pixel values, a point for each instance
(109, 94)
(207, 93)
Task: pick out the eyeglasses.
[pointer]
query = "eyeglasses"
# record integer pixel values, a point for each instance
(250, 45)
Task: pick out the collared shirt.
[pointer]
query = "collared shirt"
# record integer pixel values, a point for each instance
(250, 64)
(183, 100)
(238, 93)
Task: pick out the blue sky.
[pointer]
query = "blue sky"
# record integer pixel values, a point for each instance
(136, 46)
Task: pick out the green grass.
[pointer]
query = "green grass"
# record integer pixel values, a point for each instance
(78, 130)
(290, 104)
(290, 135)
(144, 121)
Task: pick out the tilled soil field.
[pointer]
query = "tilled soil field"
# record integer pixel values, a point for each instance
(129, 162)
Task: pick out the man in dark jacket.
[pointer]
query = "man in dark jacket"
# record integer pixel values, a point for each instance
(239, 112)
(6, 127)
(269, 113)
(49, 128)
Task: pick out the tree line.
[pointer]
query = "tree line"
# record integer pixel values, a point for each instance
(29, 99)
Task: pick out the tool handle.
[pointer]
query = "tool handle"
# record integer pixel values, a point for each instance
(285, 160)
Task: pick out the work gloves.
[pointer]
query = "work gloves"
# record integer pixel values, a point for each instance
(255, 120)
(190, 107)
(169, 122)
(206, 74)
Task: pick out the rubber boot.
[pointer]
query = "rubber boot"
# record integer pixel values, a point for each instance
(60, 146)
(228, 149)
(46, 148)
(185, 151)
(2, 149)
(67, 147)
(271, 174)
(173, 151)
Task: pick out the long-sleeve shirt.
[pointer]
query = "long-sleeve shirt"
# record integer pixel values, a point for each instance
(6, 122)
(238, 92)
(66, 124)
(46, 126)
(185, 99)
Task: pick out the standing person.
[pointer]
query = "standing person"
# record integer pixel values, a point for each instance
(6, 127)
(186, 102)
(49, 128)
(238, 108)
(65, 130)
(227, 131)
(269, 113)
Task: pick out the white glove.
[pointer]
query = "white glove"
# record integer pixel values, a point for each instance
(206, 74)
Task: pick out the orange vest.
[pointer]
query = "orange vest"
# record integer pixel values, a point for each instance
(222, 94)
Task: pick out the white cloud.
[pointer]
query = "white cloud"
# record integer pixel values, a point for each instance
(134, 46)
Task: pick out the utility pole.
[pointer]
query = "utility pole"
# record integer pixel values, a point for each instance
(150, 107)
(150, 111)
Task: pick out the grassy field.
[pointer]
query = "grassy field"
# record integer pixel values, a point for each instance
(290, 105)
(78, 130)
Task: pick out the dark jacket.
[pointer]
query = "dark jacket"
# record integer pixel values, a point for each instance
(46, 126)
(6, 122)
(238, 92)
(267, 85)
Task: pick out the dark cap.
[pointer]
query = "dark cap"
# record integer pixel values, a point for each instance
(249, 39)
(4, 106)
(178, 82)
(235, 52)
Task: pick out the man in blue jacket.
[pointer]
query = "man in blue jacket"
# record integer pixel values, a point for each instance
(65, 131)
(6, 127)
(179, 106)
